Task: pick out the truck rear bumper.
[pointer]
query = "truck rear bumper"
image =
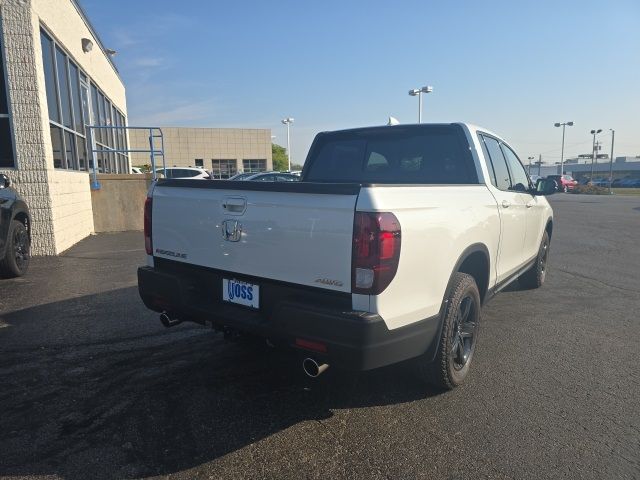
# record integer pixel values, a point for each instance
(318, 322)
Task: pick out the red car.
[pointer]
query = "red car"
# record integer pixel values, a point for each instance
(564, 182)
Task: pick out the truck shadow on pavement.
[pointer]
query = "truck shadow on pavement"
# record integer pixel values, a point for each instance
(158, 403)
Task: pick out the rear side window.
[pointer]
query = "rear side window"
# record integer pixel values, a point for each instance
(500, 175)
(519, 179)
(428, 154)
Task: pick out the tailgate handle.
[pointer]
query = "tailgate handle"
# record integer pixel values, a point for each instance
(234, 205)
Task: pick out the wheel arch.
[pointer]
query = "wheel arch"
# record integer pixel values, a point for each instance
(549, 228)
(21, 214)
(475, 261)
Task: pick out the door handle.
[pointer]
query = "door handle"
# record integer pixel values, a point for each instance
(530, 204)
(506, 204)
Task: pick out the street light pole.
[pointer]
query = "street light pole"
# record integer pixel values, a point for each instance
(530, 158)
(593, 157)
(613, 137)
(564, 124)
(417, 92)
(288, 121)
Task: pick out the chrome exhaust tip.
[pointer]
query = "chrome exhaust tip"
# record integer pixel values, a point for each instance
(167, 321)
(312, 368)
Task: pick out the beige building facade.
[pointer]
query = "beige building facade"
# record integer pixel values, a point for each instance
(56, 77)
(222, 151)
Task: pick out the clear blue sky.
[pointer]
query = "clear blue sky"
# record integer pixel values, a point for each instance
(514, 67)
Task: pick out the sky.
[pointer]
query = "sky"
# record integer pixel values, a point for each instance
(514, 67)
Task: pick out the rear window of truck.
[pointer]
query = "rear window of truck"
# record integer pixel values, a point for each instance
(412, 154)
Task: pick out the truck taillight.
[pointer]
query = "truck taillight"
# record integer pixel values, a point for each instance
(148, 205)
(376, 251)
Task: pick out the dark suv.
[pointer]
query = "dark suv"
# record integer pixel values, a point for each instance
(564, 182)
(15, 231)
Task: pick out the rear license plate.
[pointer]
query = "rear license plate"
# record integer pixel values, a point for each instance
(242, 293)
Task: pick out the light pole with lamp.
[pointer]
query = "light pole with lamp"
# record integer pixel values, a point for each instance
(288, 121)
(530, 158)
(593, 158)
(613, 137)
(418, 92)
(563, 125)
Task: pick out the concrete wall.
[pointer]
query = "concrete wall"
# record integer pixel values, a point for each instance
(184, 145)
(59, 200)
(119, 204)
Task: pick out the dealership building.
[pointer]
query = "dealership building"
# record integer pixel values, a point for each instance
(56, 77)
(222, 151)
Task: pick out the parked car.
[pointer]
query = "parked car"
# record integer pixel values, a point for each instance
(242, 176)
(384, 252)
(564, 182)
(15, 231)
(184, 172)
(629, 183)
(600, 182)
(273, 177)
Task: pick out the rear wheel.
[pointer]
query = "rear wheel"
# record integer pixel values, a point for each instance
(18, 252)
(536, 275)
(457, 342)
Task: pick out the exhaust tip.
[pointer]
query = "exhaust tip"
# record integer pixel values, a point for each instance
(312, 368)
(167, 321)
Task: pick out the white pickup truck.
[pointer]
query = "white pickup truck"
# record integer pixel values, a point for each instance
(385, 251)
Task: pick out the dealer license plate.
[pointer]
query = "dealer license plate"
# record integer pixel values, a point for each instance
(242, 293)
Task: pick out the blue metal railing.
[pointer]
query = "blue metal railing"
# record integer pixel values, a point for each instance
(154, 133)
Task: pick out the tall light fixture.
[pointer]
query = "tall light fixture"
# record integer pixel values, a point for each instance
(563, 125)
(288, 121)
(613, 138)
(593, 158)
(417, 92)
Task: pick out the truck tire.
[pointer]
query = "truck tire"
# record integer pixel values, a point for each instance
(457, 341)
(17, 253)
(535, 276)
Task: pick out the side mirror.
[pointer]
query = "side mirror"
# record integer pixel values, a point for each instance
(545, 186)
(4, 181)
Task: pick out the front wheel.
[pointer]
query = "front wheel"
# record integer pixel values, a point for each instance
(18, 251)
(457, 342)
(536, 275)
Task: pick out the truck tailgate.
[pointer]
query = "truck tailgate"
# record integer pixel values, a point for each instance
(295, 232)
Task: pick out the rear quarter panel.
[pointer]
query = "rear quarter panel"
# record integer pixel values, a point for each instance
(438, 224)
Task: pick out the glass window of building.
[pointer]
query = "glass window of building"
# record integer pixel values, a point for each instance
(223, 169)
(74, 101)
(254, 165)
(6, 144)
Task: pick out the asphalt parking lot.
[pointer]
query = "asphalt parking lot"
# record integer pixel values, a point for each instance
(93, 387)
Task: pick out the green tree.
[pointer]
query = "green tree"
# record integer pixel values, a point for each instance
(279, 154)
